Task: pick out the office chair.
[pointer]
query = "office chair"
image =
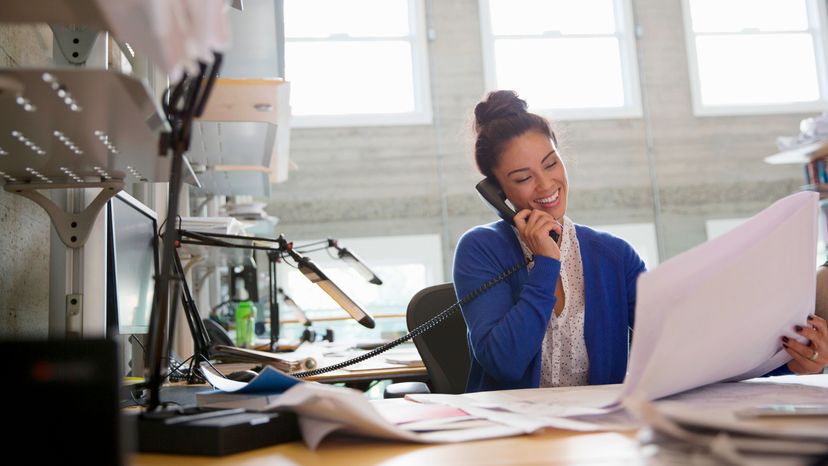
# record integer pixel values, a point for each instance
(444, 349)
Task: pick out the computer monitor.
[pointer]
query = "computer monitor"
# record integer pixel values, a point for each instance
(132, 259)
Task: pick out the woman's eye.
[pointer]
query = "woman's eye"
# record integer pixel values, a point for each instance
(522, 180)
(550, 165)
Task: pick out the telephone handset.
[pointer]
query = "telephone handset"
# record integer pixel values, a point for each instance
(493, 194)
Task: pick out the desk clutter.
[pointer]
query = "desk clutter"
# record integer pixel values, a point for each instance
(689, 416)
(666, 390)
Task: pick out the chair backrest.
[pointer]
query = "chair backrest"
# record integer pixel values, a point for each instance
(444, 349)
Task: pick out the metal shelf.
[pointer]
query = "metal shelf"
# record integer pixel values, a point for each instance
(76, 125)
(240, 144)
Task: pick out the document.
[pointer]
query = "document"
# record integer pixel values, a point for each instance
(718, 311)
(324, 409)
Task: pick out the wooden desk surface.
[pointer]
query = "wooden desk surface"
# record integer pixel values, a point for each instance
(550, 447)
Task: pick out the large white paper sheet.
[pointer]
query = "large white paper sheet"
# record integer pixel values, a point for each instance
(718, 311)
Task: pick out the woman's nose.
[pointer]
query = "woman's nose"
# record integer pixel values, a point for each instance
(544, 183)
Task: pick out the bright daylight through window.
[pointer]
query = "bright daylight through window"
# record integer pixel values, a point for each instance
(569, 59)
(356, 62)
(756, 56)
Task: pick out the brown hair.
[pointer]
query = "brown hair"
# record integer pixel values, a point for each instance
(498, 119)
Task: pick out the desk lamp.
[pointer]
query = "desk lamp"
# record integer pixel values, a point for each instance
(315, 275)
(279, 248)
(354, 261)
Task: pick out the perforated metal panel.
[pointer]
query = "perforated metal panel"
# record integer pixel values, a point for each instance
(70, 125)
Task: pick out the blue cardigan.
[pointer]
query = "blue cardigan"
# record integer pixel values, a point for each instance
(507, 324)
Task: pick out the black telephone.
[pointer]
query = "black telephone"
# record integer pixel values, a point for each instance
(493, 194)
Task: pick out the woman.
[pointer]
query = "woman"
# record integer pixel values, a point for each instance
(521, 333)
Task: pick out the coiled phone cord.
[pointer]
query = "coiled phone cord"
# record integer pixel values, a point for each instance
(421, 329)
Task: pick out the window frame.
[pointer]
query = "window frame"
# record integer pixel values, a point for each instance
(422, 114)
(627, 37)
(817, 21)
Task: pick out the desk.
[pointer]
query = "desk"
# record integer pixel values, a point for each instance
(376, 368)
(550, 447)
(400, 374)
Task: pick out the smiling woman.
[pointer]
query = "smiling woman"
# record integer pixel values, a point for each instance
(564, 321)
(567, 320)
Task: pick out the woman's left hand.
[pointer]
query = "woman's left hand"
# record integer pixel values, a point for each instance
(813, 357)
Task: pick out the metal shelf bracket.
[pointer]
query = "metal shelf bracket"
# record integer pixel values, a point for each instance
(72, 228)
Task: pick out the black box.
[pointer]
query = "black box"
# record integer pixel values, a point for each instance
(212, 432)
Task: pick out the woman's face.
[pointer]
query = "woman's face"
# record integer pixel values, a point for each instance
(532, 175)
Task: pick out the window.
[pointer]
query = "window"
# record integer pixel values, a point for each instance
(567, 59)
(755, 56)
(360, 62)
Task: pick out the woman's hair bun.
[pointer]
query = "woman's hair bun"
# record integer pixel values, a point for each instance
(498, 104)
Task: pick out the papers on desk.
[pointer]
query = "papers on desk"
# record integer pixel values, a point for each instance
(286, 362)
(325, 409)
(718, 311)
(395, 358)
(707, 419)
(717, 407)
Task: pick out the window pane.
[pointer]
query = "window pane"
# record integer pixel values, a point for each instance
(738, 15)
(354, 77)
(757, 69)
(564, 73)
(521, 17)
(358, 18)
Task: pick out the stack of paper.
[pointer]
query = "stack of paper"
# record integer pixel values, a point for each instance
(220, 225)
(223, 225)
(711, 421)
(285, 362)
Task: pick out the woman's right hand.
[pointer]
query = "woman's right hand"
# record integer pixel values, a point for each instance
(534, 227)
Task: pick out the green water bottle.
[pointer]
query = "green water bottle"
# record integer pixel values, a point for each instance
(245, 322)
